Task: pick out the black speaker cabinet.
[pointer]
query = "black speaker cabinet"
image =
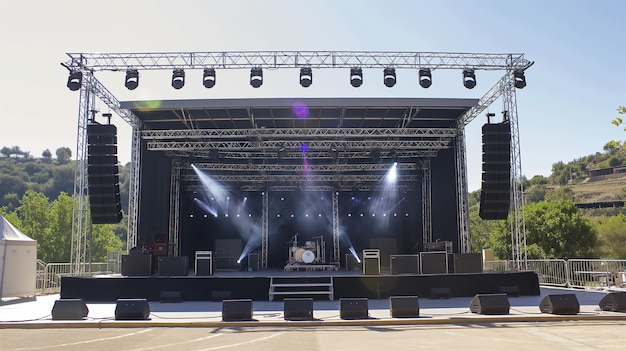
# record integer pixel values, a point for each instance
(614, 302)
(237, 310)
(404, 264)
(132, 309)
(468, 263)
(434, 262)
(353, 308)
(173, 266)
(204, 267)
(490, 304)
(404, 306)
(560, 304)
(298, 309)
(69, 309)
(136, 265)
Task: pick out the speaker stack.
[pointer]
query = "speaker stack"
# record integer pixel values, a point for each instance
(495, 196)
(102, 174)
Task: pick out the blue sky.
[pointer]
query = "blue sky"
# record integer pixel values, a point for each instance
(574, 88)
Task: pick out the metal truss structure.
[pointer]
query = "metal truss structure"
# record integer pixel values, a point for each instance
(250, 149)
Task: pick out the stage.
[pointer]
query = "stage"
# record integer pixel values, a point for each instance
(255, 285)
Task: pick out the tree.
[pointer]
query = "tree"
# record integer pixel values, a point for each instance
(619, 120)
(47, 156)
(103, 240)
(36, 217)
(6, 151)
(64, 154)
(612, 237)
(554, 229)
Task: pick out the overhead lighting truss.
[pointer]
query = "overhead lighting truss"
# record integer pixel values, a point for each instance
(294, 59)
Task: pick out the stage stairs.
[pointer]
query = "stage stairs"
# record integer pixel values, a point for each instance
(301, 287)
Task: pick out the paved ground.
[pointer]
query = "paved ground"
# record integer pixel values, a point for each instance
(443, 325)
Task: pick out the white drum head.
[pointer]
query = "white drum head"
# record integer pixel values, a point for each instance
(308, 256)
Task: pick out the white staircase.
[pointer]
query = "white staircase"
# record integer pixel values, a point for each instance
(301, 287)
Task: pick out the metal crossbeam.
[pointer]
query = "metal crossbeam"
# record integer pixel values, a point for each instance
(272, 154)
(294, 59)
(291, 178)
(336, 133)
(216, 167)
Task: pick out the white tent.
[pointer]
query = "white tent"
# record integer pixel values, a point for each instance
(18, 262)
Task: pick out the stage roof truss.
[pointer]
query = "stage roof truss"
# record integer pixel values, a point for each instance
(294, 59)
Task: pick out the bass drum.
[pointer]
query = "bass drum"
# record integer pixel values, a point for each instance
(308, 256)
(299, 253)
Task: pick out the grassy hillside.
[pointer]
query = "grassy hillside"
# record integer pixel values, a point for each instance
(602, 190)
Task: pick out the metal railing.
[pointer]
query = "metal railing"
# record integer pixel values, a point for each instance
(575, 273)
(49, 274)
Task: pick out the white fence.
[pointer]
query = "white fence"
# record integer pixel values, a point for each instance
(576, 273)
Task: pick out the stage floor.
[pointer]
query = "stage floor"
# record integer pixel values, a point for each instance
(255, 285)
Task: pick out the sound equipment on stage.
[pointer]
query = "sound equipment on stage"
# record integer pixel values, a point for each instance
(560, 304)
(371, 261)
(404, 264)
(353, 308)
(298, 309)
(136, 265)
(512, 290)
(404, 306)
(170, 297)
(467, 263)
(495, 196)
(615, 302)
(237, 310)
(173, 266)
(440, 293)
(490, 304)
(254, 262)
(351, 263)
(103, 174)
(132, 309)
(434, 262)
(204, 263)
(69, 309)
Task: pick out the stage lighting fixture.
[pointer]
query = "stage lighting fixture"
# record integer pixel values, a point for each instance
(469, 78)
(425, 77)
(389, 77)
(306, 77)
(208, 78)
(520, 79)
(178, 78)
(356, 77)
(282, 153)
(256, 77)
(132, 79)
(75, 80)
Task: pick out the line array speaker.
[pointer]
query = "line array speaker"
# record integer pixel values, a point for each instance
(103, 174)
(560, 304)
(132, 309)
(495, 197)
(490, 304)
(69, 309)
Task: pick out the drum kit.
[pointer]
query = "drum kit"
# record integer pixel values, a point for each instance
(313, 252)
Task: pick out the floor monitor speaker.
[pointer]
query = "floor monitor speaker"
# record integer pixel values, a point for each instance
(404, 306)
(298, 309)
(237, 310)
(132, 309)
(69, 309)
(560, 304)
(490, 304)
(353, 308)
(614, 302)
